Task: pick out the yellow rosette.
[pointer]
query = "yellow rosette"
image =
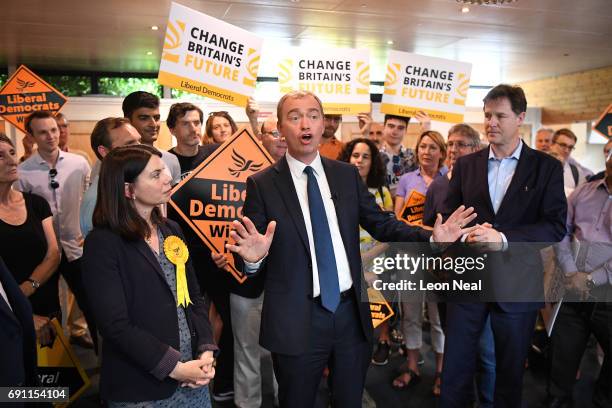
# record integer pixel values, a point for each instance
(176, 251)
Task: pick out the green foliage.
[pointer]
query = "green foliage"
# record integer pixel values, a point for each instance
(124, 86)
(69, 85)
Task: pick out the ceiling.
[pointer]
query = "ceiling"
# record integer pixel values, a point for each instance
(528, 39)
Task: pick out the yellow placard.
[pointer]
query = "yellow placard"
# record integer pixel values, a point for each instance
(58, 366)
(436, 86)
(340, 77)
(209, 57)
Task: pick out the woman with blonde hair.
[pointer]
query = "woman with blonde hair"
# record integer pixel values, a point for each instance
(430, 154)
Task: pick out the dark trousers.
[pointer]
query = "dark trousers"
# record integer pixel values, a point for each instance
(512, 334)
(224, 370)
(336, 341)
(71, 271)
(573, 327)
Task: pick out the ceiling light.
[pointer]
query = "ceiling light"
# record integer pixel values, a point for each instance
(390, 42)
(149, 52)
(154, 28)
(465, 9)
(485, 2)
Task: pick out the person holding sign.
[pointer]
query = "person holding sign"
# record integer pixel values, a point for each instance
(312, 316)
(331, 147)
(364, 154)
(158, 346)
(409, 205)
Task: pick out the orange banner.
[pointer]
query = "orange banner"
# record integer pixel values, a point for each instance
(413, 210)
(24, 93)
(213, 194)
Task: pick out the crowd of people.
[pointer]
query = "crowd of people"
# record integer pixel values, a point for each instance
(167, 319)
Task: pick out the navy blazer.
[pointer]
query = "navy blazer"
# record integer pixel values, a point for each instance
(533, 210)
(271, 196)
(136, 314)
(17, 335)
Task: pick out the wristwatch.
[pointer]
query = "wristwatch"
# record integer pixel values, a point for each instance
(589, 282)
(34, 282)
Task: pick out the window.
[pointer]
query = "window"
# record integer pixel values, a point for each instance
(118, 86)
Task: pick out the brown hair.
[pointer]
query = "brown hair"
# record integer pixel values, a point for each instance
(208, 137)
(295, 95)
(564, 132)
(100, 136)
(438, 139)
(113, 209)
(514, 94)
(178, 110)
(5, 139)
(36, 115)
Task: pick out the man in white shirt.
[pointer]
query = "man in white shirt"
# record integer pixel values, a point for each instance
(563, 143)
(61, 178)
(313, 315)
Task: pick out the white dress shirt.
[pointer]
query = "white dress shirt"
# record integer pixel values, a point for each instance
(300, 180)
(65, 201)
(3, 294)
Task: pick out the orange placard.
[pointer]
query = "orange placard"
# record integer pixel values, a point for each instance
(603, 125)
(413, 210)
(24, 93)
(379, 307)
(213, 194)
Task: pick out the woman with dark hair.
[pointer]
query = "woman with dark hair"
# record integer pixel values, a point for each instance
(158, 347)
(219, 126)
(364, 154)
(29, 246)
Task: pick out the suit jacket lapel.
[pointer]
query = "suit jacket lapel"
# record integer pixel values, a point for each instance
(145, 251)
(285, 185)
(4, 308)
(482, 172)
(335, 186)
(524, 168)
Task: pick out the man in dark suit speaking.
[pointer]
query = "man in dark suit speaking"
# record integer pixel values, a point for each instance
(518, 195)
(301, 229)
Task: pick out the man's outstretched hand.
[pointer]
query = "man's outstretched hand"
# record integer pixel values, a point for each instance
(249, 243)
(453, 228)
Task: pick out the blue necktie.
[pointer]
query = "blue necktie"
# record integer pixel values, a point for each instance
(324, 248)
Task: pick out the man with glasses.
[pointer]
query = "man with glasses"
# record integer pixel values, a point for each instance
(588, 275)
(61, 178)
(563, 143)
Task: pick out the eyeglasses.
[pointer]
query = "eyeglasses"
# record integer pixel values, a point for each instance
(275, 134)
(458, 145)
(52, 183)
(566, 146)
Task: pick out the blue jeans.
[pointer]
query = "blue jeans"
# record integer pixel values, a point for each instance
(485, 371)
